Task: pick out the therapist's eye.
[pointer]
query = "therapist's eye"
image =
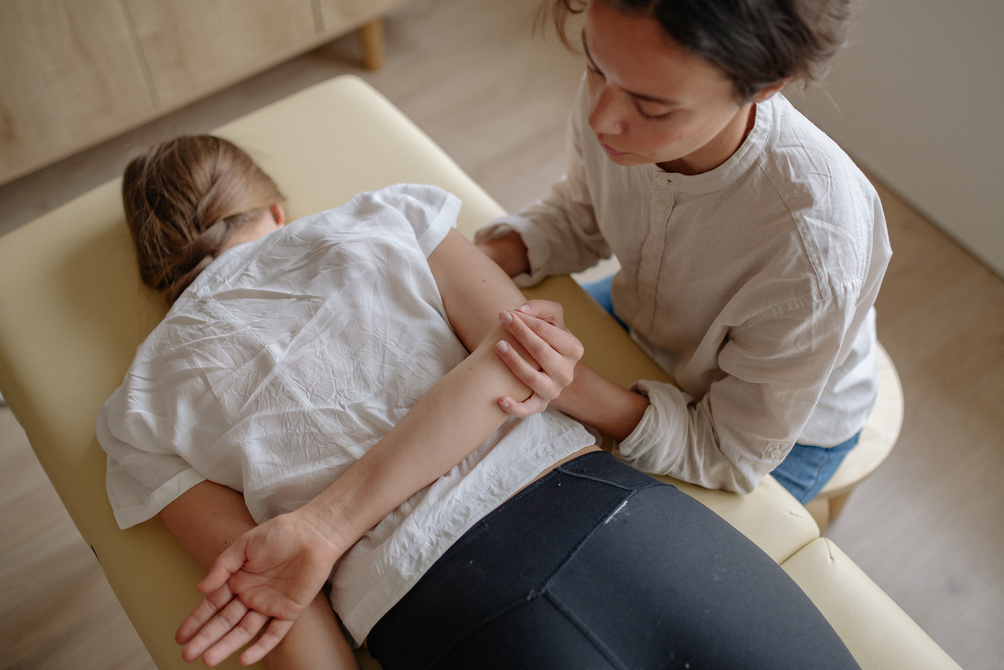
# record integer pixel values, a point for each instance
(653, 117)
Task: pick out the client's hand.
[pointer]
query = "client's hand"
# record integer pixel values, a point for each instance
(540, 327)
(263, 582)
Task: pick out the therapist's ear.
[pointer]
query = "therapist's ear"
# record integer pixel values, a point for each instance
(767, 91)
(278, 213)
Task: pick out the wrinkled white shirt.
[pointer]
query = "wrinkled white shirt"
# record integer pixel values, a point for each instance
(752, 284)
(290, 356)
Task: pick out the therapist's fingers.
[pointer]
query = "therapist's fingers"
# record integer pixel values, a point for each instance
(532, 405)
(547, 320)
(531, 378)
(553, 348)
(535, 363)
(545, 366)
(547, 310)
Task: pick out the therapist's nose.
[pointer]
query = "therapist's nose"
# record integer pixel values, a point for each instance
(606, 115)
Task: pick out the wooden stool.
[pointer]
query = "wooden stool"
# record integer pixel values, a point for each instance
(877, 439)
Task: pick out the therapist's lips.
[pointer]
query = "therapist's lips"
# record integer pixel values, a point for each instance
(611, 151)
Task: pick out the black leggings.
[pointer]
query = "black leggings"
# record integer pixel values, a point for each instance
(597, 565)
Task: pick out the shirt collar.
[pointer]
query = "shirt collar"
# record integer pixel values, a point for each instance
(738, 164)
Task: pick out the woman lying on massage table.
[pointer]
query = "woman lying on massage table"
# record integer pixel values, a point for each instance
(337, 415)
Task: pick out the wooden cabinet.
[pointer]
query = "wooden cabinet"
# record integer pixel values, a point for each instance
(68, 70)
(76, 72)
(192, 45)
(340, 12)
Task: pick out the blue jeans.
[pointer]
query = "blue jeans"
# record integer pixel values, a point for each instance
(805, 470)
(597, 566)
(600, 291)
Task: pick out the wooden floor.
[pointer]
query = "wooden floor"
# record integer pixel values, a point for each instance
(927, 527)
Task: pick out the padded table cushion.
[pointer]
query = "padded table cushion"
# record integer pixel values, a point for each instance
(876, 631)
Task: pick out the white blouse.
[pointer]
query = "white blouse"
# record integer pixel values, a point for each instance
(287, 359)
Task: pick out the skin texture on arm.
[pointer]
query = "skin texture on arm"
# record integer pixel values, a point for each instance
(479, 297)
(590, 397)
(587, 396)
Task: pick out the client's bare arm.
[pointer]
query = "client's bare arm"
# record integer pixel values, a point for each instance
(210, 517)
(589, 396)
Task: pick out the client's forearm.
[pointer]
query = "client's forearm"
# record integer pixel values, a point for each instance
(206, 519)
(315, 642)
(451, 420)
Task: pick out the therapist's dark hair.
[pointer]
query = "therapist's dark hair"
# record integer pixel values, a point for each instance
(183, 200)
(756, 43)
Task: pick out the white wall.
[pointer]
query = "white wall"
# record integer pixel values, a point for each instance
(918, 99)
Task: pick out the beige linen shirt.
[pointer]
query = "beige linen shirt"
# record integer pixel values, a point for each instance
(753, 285)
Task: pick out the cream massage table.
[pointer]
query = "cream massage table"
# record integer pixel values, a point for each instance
(72, 311)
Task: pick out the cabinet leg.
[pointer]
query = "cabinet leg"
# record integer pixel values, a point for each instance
(371, 35)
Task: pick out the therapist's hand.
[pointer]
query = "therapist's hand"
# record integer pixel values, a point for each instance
(539, 326)
(260, 584)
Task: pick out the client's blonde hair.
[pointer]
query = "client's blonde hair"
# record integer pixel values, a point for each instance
(184, 199)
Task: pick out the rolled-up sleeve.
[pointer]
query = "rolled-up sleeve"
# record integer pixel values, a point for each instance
(772, 374)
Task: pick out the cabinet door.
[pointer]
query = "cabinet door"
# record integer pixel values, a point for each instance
(338, 16)
(193, 47)
(69, 77)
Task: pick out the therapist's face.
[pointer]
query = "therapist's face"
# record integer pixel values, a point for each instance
(653, 101)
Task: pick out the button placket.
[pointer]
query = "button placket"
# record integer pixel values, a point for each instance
(653, 250)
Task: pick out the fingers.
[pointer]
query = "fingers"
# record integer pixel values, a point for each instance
(215, 579)
(553, 352)
(245, 588)
(203, 614)
(532, 405)
(546, 319)
(226, 564)
(214, 631)
(538, 381)
(543, 341)
(249, 626)
(552, 347)
(231, 628)
(546, 310)
(268, 641)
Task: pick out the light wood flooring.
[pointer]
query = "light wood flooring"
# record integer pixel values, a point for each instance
(927, 527)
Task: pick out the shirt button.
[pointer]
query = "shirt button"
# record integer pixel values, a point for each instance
(660, 205)
(662, 180)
